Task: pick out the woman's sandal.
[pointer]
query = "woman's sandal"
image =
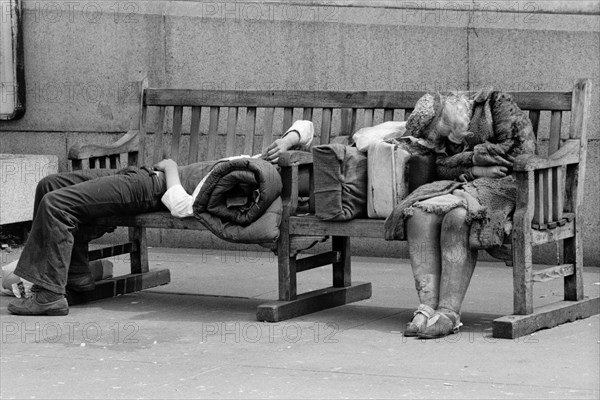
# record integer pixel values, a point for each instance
(443, 323)
(413, 329)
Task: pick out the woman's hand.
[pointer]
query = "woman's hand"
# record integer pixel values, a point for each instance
(280, 145)
(165, 164)
(492, 171)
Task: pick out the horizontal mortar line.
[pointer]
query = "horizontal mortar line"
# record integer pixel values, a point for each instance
(428, 378)
(404, 7)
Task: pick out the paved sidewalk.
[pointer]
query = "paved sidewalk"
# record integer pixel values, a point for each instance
(170, 342)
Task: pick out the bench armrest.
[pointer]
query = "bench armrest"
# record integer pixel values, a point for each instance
(294, 157)
(567, 154)
(127, 143)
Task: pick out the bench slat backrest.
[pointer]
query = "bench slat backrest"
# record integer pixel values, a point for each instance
(243, 122)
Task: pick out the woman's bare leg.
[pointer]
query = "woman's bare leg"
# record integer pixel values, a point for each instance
(423, 233)
(458, 261)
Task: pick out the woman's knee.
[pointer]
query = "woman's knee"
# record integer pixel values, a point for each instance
(455, 219)
(421, 217)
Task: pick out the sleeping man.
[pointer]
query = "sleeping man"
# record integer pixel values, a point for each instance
(54, 257)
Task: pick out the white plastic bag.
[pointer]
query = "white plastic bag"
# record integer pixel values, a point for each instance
(12, 285)
(364, 137)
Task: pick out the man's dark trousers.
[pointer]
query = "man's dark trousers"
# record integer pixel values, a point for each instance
(66, 201)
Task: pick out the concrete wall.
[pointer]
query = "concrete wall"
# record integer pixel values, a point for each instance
(83, 59)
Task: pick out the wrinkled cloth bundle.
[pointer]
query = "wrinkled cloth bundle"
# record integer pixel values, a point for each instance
(240, 201)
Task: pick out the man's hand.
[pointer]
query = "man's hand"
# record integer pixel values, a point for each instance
(492, 171)
(163, 165)
(280, 145)
(169, 167)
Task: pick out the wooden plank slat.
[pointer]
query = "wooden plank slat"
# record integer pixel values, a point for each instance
(307, 114)
(514, 326)
(348, 121)
(194, 135)
(388, 114)
(115, 161)
(312, 226)
(267, 128)
(158, 136)
(558, 193)
(111, 251)
(326, 99)
(313, 301)
(128, 143)
(561, 232)
(288, 115)
(175, 139)
(555, 125)
(569, 153)
(551, 273)
(538, 205)
(119, 285)
(317, 260)
(534, 117)
(326, 125)
(548, 195)
(76, 165)
(213, 126)
(250, 131)
(281, 98)
(369, 114)
(135, 157)
(232, 119)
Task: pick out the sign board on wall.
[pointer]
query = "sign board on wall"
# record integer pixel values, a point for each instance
(12, 72)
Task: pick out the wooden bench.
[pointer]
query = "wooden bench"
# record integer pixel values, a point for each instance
(223, 123)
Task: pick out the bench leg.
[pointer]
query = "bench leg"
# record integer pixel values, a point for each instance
(341, 292)
(286, 266)
(514, 326)
(527, 319)
(342, 270)
(573, 254)
(139, 279)
(139, 253)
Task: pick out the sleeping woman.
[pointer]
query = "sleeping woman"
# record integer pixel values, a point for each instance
(470, 208)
